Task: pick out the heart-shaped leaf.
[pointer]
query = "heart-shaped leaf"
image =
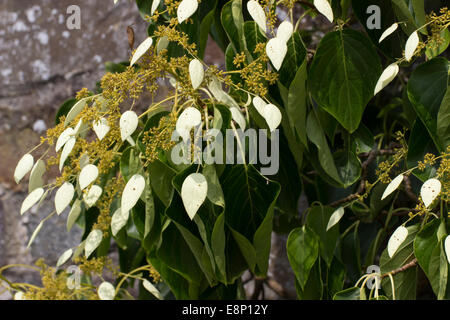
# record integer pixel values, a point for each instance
(411, 45)
(285, 31)
(64, 196)
(259, 104)
(388, 32)
(257, 13)
(186, 9)
(396, 240)
(193, 193)
(92, 196)
(141, 50)
(386, 77)
(188, 119)
(196, 72)
(324, 7)
(31, 200)
(63, 138)
(92, 242)
(392, 186)
(276, 50)
(87, 175)
(272, 115)
(24, 165)
(101, 128)
(335, 217)
(128, 124)
(66, 151)
(119, 220)
(132, 192)
(429, 191)
(36, 175)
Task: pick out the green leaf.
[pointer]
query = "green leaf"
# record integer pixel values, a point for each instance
(432, 51)
(352, 69)
(424, 244)
(317, 220)
(348, 294)
(303, 250)
(253, 36)
(404, 14)
(161, 179)
(426, 89)
(64, 109)
(233, 23)
(295, 57)
(314, 287)
(348, 166)
(443, 121)
(130, 163)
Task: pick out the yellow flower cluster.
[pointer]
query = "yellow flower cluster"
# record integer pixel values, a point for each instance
(159, 138)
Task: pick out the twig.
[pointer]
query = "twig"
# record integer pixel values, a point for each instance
(411, 264)
(259, 287)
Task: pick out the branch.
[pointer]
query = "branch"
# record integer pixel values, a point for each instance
(411, 264)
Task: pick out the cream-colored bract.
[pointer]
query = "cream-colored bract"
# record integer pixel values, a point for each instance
(36, 174)
(285, 30)
(155, 5)
(84, 160)
(141, 50)
(335, 217)
(64, 257)
(74, 213)
(193, 193)
(187, 120)
(429, 191)
(64, 196)
(447, 248)
(106, 291)
(87, 175)
(238, 117)
(386, 77)
(31, 200)
(63, 138)
(186, 9)
(196, 73)
(24, 166)
(392, 186)
(411, 45)
(396, 240)
(78, 127)
(276, 50)
(119, 220)
(132, 192)
(324, 7)
(75, 111)
(162, 44)
(152, 289)
(92, 242)
(101, 128)
(388, 32)
(68, 147)
(128, 124)
(257, 13)
(91, 197)
(259, 104)
(35, 233)
(273, 116)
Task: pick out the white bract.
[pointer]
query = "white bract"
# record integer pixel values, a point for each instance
(276, 50)
(87, 175)
(155, 5)
(388, 32)
(186, 9)
(396, 240)
(447, 248)
(63, 138)
(128, 124)
(66, 151)
(141, 50)
(272, 115)
(411, 45)
(238, 117)
(36, 176)
(101, 128)
(257, 13)
(335, 217)
(75, 111)
(285, 30)
(19, 296)
(106, 291)
(187, 120)
(78, 127)
(392, 186)
(31, 200)
(64, 257)
(64, 196)
(84, 160)
(119, 220)
(74, 213)
(35, 233)
(193, 193)
(92, 242)
(429, 191)
(162, 44)
(93, 195)
(152, 289)
(323, 6)
(259, 104)
(132, 192)
(386, 77)
(196, 73)
(24, 165)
